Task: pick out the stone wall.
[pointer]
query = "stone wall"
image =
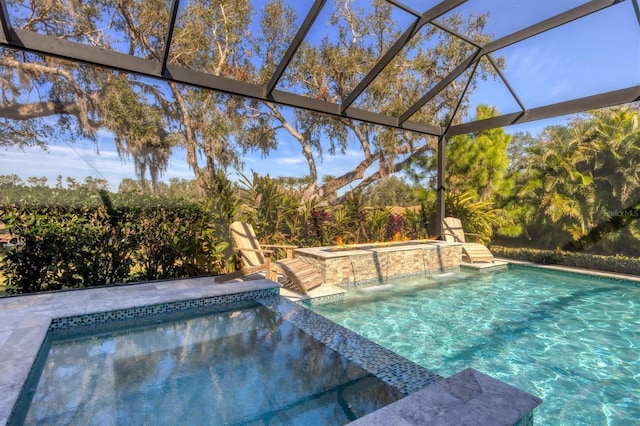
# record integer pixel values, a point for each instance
(361, 265)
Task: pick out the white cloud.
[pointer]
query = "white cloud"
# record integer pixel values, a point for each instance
(76, 162)
(289, 160)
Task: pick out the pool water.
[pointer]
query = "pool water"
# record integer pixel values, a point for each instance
(573, 341)
(245, 366)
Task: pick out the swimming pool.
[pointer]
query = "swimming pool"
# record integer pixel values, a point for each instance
(572, 340)
(263, 361)
(234, 367)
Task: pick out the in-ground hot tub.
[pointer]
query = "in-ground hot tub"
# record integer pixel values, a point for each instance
(363, 262)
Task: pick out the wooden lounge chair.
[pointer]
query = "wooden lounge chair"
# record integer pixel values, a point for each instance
(297, 275)
(474, 252)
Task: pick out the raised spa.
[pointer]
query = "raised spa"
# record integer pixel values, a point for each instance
(365, 262)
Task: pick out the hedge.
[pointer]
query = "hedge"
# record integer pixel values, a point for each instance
(77, 245)
(618, 263)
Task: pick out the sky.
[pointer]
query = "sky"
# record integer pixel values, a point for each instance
(585, 57)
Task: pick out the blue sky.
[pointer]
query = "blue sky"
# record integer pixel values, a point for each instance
(582, 58)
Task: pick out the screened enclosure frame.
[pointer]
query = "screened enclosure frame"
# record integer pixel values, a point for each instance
(15, 38)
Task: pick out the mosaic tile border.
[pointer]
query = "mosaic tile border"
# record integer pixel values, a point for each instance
(96, 329)
(158, 309)
(322, 299)
(486, 269)
(365, 283)
(388, 366)
(393, 369)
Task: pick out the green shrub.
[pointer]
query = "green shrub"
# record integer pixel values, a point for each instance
(618, 263)
(104, 239)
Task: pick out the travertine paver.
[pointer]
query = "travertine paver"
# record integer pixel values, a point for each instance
(468, 398)
(24, 320)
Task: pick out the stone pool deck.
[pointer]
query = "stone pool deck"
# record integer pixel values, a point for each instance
(466, 398)
(25, 320)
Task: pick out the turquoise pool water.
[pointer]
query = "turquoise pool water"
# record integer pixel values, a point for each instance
(573, 341)
(241, 366)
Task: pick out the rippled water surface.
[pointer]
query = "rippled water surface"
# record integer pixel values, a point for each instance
(573, 341)
(238, 367)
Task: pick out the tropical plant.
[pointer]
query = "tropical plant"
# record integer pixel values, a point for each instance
(578, 177)
(416, 222)
(376, 224)
(478, 217)
(266, 205)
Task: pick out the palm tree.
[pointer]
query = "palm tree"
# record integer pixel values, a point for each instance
(580, 174)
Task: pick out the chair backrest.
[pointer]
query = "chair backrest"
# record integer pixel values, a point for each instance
(245, 238)
(452, 228)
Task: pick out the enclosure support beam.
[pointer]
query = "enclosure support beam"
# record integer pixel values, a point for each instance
(601, 100)
(410, 32)
(5, 34)
(294, 46)
(440, 191)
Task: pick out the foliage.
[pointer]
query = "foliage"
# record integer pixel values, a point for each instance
(168, 239)
(64, 248)
(476, 164)
(223, 204)
(478, 217)
(375, 225)
(416, 222)
(311, 226)
(577, 178)
(149, 119)
(266, 205)
(394, 228)
(390, 191)
(618, 263)
(81, 238)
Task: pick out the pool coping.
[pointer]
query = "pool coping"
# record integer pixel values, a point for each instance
(25, 321)
(579, 271)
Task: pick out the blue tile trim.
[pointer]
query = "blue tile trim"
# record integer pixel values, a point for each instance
(159, 309)
(322, 299)
(96, 329)
(393, 369)
(375, 281)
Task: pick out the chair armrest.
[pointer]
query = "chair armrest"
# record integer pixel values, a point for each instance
(455, 237)
(270, 273)
(267, 253)
(287, 248)
(476, 236)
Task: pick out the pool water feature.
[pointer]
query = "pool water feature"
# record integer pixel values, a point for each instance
(343, 265)
(238, 366)
(572, 340)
